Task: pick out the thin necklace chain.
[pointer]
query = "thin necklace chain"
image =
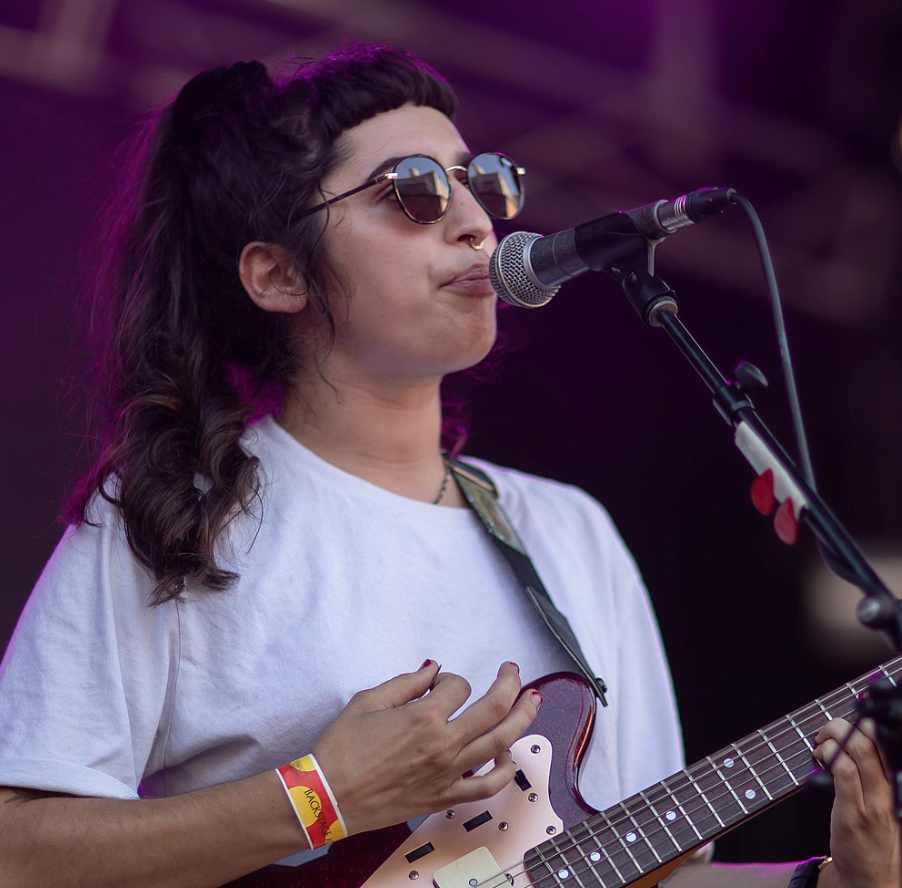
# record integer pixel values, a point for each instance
(445, 481)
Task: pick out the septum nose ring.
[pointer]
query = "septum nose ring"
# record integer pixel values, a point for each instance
(474, 245)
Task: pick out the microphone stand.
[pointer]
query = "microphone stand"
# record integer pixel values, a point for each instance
(631, 264)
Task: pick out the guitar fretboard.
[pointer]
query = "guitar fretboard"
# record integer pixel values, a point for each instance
(633, 838)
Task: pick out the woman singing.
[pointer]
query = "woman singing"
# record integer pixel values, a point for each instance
(271, 540)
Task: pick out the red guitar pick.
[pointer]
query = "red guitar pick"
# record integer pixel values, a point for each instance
(763, 498)
(785, 524)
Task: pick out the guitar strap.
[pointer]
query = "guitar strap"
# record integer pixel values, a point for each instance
(482, 495)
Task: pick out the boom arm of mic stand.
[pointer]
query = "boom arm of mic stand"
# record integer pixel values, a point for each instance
(656, 304)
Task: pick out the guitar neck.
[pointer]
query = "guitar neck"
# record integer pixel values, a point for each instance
(620, 845)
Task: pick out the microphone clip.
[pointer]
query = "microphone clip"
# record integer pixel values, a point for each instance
(646, 292)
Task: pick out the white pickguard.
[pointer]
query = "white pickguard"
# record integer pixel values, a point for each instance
(490, 853)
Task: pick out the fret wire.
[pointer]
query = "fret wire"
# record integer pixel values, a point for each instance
(799, 731)
(622, 844)
(729, 786)
(711, 807)
(685, 809)
(886, 675)
(754, 774)
(625, 845)
(679, 805)
(595, 872)
(778, 756)
(641, 833)
(661, 820)
(571, 866)
(791, 720)
(616, 844)
(824, 709)
(607, 856)
(543, 859)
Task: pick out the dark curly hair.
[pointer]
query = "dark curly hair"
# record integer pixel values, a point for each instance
(182, 357)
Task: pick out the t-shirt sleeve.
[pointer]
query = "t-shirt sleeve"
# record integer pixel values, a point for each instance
(88, 673)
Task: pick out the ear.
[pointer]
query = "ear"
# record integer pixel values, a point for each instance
(270, 278)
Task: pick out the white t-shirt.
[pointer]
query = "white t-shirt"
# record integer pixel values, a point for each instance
(343, 585)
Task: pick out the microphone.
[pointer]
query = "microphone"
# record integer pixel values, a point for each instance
(527, 269)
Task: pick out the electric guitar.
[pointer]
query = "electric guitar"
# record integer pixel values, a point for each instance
(539, 832)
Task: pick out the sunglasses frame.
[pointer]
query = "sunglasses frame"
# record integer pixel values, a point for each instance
(393, 175)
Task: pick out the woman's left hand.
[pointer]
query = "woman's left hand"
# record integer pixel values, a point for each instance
(864, 834)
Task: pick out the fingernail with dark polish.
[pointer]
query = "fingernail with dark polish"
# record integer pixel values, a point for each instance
(536, 698)
(515, 665)
(426, 663)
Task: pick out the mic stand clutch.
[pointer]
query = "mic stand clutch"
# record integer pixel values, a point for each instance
(656, 304)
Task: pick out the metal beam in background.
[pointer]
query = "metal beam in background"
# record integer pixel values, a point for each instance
(67, 51)
(590, 131)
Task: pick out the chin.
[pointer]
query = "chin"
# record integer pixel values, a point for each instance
(474, 356)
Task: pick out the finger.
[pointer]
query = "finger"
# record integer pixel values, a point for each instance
(490, 709)
(398, 690)
(483, 786)
(496, 742)
(448, 693)
(860, 748)
(831, 752)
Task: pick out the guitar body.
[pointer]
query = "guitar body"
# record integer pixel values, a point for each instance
(565, 719)
(538, 832)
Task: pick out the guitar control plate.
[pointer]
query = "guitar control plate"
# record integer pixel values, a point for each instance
(491, 852)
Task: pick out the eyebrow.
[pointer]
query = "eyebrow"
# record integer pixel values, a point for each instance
(391, 162)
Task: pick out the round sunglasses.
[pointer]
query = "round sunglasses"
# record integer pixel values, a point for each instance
(423, 190)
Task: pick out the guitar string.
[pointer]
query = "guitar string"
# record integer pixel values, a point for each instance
(813, 709)
(763, 739)
(685, 780)
(604, 847)
(616, 843)
(581, 832)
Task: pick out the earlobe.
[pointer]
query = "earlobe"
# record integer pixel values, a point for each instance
(271, 279)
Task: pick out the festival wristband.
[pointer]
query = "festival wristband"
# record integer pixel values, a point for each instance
(311, 797)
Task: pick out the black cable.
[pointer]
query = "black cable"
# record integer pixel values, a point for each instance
(782, 339)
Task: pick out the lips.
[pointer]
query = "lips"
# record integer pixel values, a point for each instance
(474, 280)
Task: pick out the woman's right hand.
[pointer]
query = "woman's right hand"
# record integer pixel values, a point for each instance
(395, 753)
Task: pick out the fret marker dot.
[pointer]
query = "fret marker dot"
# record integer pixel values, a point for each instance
(594, 857)
(750, 793)
(631, 837)
(671, 816)
(563, 874)
(728, 763)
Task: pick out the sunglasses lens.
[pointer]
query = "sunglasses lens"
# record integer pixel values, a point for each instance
(496, 184)
(422, 188)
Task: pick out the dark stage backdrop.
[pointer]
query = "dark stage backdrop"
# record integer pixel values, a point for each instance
(609, 105)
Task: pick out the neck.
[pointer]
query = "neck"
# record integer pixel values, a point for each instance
(388, 435)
